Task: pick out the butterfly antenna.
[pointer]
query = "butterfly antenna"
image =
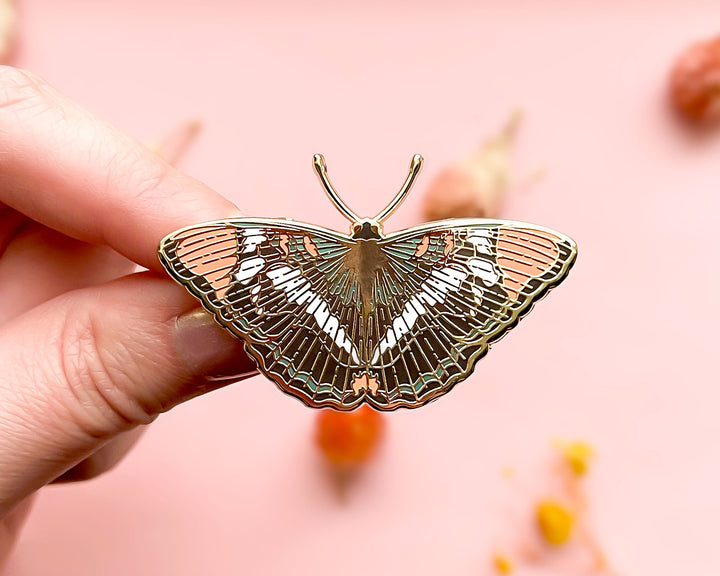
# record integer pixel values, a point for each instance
(321, 169)
(415, 166)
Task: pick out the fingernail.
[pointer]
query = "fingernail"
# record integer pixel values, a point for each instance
(209, 350)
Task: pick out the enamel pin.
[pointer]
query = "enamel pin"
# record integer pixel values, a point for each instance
(395, 321)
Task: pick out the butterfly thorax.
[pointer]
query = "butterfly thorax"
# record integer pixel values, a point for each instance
(366, 230)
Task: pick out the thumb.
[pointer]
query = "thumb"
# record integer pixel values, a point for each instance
(93, 363)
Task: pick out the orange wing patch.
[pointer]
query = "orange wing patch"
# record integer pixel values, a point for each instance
(423, 246)
(365, 382)
(449, 243)
(210, 252)
(310, 246)
(522, 255)
(284, 239)
(372, 383)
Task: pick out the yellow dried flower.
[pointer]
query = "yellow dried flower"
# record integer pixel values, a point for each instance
(503, 564)
(555, 522)
(577, 455)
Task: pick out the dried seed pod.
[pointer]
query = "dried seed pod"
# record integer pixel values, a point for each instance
(8, 27)
(474, 187)
(695, 83)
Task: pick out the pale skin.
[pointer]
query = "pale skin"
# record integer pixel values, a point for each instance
(91, 350)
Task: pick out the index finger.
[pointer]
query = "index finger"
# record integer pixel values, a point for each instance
(67, 169)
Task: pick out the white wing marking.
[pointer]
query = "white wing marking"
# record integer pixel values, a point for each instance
(249, 268)
(251, 239)
(481, 240)
(484, 270)
(433, 291)
(298, 290)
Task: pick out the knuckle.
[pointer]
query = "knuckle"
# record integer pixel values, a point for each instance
(98, 380)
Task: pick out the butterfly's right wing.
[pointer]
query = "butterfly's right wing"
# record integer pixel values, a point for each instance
(282, 287)
(456, 286)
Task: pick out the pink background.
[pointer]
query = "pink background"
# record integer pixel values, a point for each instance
(623, 354)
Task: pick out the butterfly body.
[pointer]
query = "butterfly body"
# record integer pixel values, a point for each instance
(395, 321)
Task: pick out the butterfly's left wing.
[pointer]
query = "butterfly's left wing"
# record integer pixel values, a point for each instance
(447, 291)
(282, 287)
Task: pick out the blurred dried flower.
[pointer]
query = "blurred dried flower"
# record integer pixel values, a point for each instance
(174, 145)
(560, 535)
(695, 82)
(474, 187)
(8, 26)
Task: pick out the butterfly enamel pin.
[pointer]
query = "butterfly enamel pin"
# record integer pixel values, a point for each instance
(395, 321)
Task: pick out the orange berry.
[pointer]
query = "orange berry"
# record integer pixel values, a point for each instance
(349, 439)
(695, 82)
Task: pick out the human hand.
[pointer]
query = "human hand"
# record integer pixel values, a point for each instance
(90, 351)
